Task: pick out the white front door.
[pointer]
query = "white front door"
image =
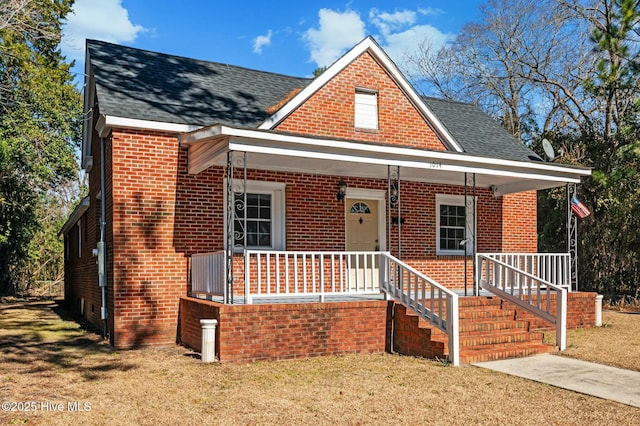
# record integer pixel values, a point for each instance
(362, 228)
(362, 225)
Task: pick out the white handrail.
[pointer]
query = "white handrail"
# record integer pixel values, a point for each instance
(426, 297)
(208, 273)
(525, 290)
(551, 267)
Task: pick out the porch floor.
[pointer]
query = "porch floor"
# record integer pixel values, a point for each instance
(257, 300)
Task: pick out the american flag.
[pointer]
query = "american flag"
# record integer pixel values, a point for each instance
(578, 208)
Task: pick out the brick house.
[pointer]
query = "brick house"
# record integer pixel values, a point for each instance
(339, 214)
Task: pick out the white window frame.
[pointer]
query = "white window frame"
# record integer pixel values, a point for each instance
(455, 200)
(278, 211)
(366, 109)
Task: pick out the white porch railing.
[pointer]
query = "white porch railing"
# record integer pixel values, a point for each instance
(208, 273)
(431, 301)
(526, 290)
(282, 274)
(275, 274)
(552, 267)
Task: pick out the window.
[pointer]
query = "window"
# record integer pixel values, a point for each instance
(265, 216)
(454, 225)
(259, 227)
(366, 109)
(79, 230)
(360, 207)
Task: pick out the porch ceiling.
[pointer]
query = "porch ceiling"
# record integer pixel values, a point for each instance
(283, 152)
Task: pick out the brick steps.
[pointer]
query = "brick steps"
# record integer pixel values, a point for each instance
(468, 356)
(487, 332)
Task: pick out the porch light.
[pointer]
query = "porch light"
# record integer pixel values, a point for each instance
(342, 190)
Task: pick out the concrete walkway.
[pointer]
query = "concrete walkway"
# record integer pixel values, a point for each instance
(588, 378)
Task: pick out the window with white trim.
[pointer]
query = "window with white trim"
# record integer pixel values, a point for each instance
(259, 220)
(366, 109)
(264, 207)
(454, 225)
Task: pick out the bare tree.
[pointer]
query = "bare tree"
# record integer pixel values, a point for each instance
(524, 62)
(570, 68)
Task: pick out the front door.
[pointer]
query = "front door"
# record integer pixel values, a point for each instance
(362, 235)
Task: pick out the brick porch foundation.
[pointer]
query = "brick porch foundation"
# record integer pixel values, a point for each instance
(249, 333)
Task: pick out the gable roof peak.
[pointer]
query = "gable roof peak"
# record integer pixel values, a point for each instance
(368, 44)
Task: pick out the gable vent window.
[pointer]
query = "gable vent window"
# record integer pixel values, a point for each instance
(366, 111)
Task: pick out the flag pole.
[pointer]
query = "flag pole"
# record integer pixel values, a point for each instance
(572, 235)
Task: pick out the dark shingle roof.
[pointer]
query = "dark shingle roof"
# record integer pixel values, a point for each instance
(477, 133)
(145, 85)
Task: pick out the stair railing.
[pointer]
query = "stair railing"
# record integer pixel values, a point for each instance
(525, 290)
(433, 302)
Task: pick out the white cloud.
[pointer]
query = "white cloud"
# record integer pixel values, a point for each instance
(399, 45)
(105, 20)
(261, 41)
(337, 32)
(430, 11)
(400, 33)
(387, 22)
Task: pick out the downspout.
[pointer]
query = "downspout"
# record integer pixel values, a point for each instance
(102, 246)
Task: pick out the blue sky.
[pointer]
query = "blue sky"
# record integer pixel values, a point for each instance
(288, 37)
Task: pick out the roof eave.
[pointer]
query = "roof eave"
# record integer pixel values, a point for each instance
(206, 146)
(75, 216)
(107, 122)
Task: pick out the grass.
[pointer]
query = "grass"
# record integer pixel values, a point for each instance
(47, 358)
(616, 343)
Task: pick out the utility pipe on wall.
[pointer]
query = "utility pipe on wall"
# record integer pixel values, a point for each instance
(102, 245)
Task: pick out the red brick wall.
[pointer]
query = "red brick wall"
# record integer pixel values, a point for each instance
(322, 227)
(274, 332)
(330, 111)
(410, 339)
(81, 273)
(581, 311)
(286, 331)
(519, 223)
(149, 275)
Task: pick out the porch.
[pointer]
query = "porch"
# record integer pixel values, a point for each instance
(337, 222)
(516, 296)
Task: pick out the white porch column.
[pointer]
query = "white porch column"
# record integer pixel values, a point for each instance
(208, 339)
(599, 298)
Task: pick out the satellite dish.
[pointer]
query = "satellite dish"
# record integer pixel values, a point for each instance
(548, 149)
